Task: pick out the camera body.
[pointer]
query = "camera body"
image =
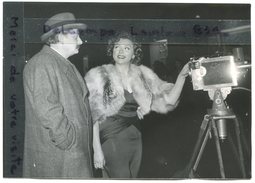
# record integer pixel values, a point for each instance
(213, 73)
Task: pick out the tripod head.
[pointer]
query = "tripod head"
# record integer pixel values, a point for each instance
(217, 75)
(220, 109)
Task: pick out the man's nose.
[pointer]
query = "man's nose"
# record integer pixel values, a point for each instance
(79, 41)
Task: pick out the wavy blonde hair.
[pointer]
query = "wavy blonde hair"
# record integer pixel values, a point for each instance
(137, 46)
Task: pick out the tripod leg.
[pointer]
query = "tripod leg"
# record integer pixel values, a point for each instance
(217, 142)
(234, 149)
(240, 147)
(196, 152)
(202, 148)
(243, 139)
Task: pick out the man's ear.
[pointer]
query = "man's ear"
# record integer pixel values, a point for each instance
(133, 56)
(60, 37)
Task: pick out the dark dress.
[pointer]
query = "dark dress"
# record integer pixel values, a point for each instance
(121, 141)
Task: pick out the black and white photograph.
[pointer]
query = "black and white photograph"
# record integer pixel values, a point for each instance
(127, 91)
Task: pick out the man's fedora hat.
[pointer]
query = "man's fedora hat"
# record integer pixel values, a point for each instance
(60, 22)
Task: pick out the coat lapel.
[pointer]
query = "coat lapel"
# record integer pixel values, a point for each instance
(67, 66)
(141, 91)
(81, 80)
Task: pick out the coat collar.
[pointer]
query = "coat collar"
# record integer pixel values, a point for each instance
(64, 62)
(140, 89)
(66, 66)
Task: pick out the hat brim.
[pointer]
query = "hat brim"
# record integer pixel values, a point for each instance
(79, 26)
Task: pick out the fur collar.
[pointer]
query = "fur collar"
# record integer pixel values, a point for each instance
(107, 93)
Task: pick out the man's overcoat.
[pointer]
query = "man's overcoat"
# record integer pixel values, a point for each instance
(58, 125)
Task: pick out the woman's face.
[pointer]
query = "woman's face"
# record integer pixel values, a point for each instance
(123, 51)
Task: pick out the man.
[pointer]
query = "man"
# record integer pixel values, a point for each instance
(58, 127)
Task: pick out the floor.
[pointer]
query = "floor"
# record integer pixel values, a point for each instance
(169, 141)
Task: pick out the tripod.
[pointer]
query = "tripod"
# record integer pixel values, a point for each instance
(214, 126)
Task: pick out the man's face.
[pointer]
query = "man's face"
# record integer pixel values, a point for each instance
(71, 41)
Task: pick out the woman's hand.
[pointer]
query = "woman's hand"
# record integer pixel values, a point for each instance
(173, 96)
(140, 113)
(185, 71)
(99, 161)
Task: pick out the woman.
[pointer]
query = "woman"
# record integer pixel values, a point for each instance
(120, 95)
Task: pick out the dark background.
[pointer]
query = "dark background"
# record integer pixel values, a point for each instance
(168, 140)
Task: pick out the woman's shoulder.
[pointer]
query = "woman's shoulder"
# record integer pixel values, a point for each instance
(138, 67)
(146, 70)
(108, 68)
(99, 70)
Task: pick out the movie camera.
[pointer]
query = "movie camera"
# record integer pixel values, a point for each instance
(216, 75)
(213, 73)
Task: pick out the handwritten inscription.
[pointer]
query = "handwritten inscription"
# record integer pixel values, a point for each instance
(13, 73)
(195, 30)
(177, 29)
(13, 35)
(16, 160)
(154, 32)
(205, 30)
(161, 31)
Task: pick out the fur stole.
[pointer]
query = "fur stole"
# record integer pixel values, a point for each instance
(106, 93)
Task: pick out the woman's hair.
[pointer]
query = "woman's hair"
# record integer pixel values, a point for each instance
(137, 46)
